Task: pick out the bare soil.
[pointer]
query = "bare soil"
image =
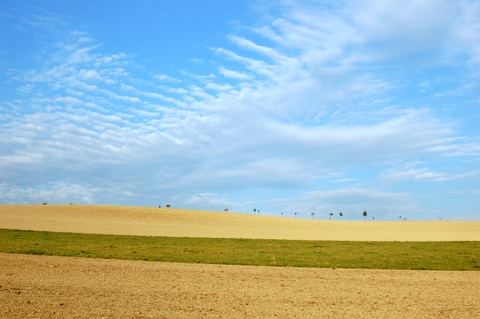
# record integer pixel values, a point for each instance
(66, 287)
(123, 220)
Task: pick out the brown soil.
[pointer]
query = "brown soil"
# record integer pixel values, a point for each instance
(63, 287)
(125, 220)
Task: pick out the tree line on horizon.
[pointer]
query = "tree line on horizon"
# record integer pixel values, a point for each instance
(312, 214)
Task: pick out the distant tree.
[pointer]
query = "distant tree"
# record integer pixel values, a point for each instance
(400, 217)
(225, 209)
(365, 214)
(330, 216)
(281, 213)
(167, 206)
(254, 210)
(312, 214)
(44, 203)
(295, 213)
(340, 214)
(159, 206)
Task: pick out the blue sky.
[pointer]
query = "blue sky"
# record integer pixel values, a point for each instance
(284, 106)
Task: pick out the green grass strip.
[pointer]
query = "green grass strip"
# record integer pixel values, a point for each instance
(297, 253)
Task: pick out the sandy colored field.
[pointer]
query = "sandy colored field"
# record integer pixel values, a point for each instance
(64, 287)
(125, 220)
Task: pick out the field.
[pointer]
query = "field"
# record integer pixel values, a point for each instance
(60, 287)
(33, 286)
(190, 223)
(256, 252)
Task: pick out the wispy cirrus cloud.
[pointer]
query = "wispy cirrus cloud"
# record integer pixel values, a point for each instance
(425, 174)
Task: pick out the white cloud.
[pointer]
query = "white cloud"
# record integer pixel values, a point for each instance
(253, 65)
(425, 174)
(218, 87)
(56, 192)
(89, 75)
(165, 78)
(232, 74)
(207, 200)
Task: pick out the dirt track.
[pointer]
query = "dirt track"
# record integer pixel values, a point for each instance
(177, 222)
(62, 287)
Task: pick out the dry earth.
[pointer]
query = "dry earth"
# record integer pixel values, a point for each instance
(65, 287)
(190, 223)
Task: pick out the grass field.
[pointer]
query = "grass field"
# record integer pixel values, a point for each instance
(126, 220)
(325, 254)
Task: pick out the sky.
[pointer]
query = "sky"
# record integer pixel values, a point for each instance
(281, 106)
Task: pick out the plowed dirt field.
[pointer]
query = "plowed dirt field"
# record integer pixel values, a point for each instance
(66, 287)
